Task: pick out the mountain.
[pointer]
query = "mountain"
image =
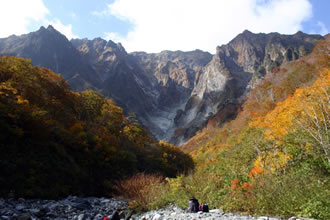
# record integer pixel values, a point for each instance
(50, 49)
(262, 99)
(273, 158)
(153, 86)
(232, 72)
(174, 75)
(121, 78)
(55, 142)
(173, 93)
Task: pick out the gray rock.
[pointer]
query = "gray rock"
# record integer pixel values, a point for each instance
(82, 205)
(21, 200)
(24, 216)
(34, 211)
(156, 217)
(299, 218)
(216, 211)
(98, 217)
(20, 207)
(51, 206)
(82, 217)
(105, 201)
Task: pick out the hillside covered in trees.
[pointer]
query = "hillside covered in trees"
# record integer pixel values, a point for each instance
(273, 158)
(55, 142)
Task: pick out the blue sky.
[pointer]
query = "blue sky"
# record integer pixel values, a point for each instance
(155, 25)
(321, 13)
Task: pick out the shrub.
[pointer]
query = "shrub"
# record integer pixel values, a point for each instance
(142, 189)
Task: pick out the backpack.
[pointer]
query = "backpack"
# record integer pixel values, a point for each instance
(204, 207)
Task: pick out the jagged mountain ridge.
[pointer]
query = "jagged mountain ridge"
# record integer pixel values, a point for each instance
(233, 71)
(173, 93)
(153, 86)
(49, 48)
(121, 79)
(176, 73)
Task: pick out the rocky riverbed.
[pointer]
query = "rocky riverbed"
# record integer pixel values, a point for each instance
(175, 213)
(70, 208)
(77, 208)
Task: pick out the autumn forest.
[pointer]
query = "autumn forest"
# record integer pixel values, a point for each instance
(272, 159)
(56, 142)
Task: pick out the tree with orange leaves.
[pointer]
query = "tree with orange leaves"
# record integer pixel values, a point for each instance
(307, 110)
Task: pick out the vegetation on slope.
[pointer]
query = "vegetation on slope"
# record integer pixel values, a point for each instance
(55, 142)
(273, 159)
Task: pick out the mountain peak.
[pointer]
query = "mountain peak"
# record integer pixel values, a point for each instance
(247, 32)
(299, 32)
(121, 48)
(97, 39)
(246, 35)
(51, 28)
(42, 28)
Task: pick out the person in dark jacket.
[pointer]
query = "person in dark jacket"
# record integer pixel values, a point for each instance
(193, 205)
(115, 215)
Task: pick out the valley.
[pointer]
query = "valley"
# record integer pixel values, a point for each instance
(86, 118)
(173, 93)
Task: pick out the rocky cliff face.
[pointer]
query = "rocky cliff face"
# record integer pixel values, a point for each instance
(153, 86)
(173, 93)
(105, 57)
(233, 71)
(122, 79)
(174, 76)
(49, 48)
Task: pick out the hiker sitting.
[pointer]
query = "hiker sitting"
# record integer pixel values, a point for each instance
(115, 215)
(193, 205)
(204, 207)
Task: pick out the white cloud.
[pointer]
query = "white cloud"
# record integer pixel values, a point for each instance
(323, 28)
(100, 13)
(113, 36)
(204, 24)
(64, 29)
(16, 15)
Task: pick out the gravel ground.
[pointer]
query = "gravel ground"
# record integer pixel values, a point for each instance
(77, 208)
(176, 213)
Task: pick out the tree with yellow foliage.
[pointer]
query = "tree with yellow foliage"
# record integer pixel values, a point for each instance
(307, 110)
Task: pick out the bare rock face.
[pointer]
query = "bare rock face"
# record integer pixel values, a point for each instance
(154, 86)
(178, 66)
(174, 75)
(233, 71)
(121, 78)
(172, 93)
(49, 48)
(105, 57)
